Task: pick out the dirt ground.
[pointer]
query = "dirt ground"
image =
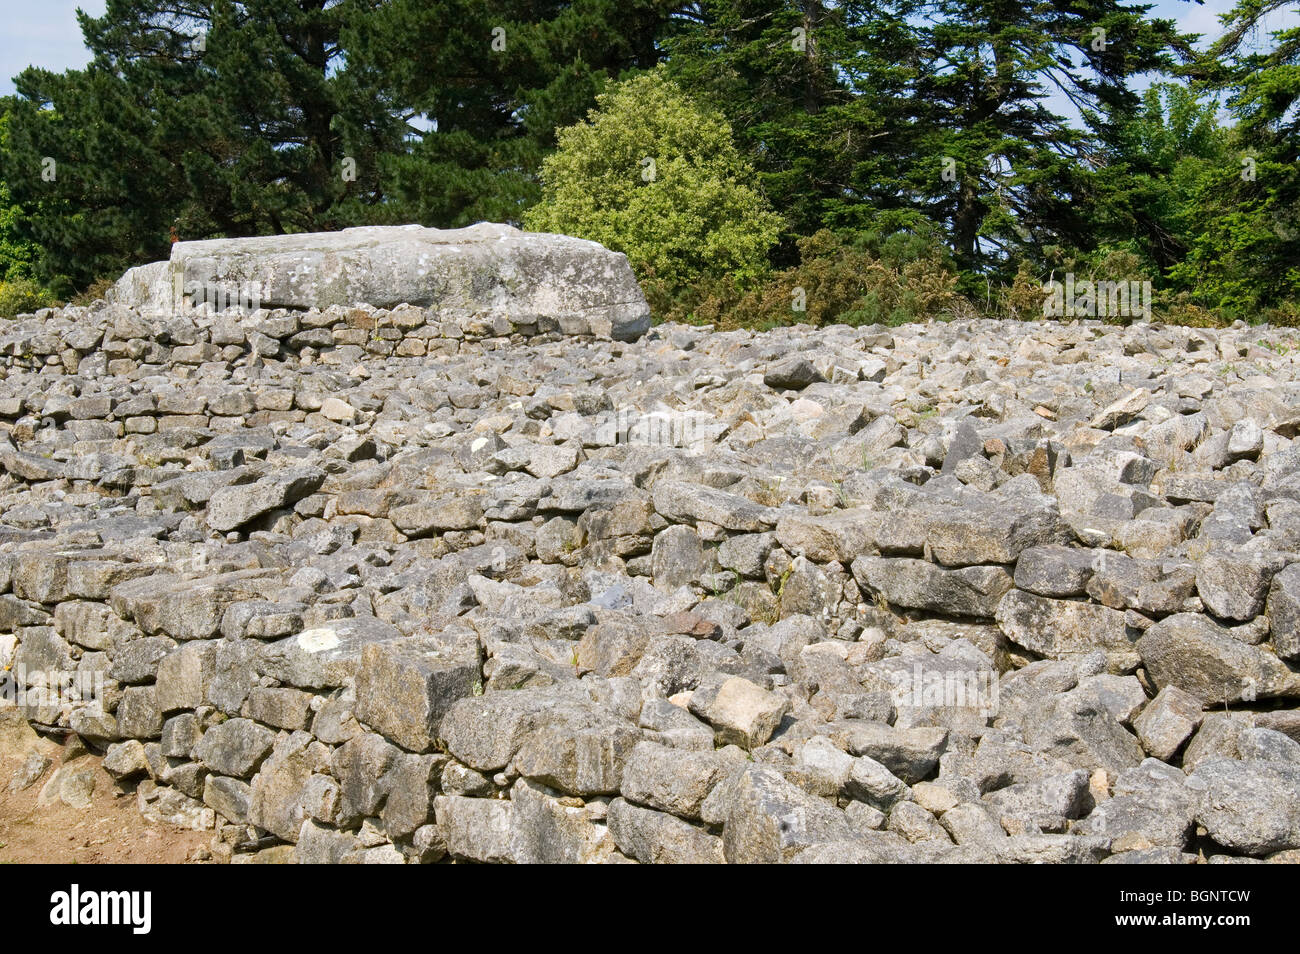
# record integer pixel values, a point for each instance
(38, 826)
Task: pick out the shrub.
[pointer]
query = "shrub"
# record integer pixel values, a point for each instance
(652, 174)
(839, 280)
(22, 296)
(94, 292)
(1022, 300)
(1179, 309)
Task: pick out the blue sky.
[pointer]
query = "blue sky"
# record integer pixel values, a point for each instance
(45, 32)
(41, 33)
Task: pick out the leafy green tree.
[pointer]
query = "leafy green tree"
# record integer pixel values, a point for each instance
(652, 174)
(96, 197)
(816, 94)
(889, 114)
(1015, 170)
(479, 88)
(16, 254)
(203, 118)
(195, 119)
(1143, 189)
(1244, 220)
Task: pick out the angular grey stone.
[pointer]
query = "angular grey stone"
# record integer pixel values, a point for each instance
(1061, 628)
(476, 829)
(34, 766)
(840, 535)
(1122, 696)
(746, 552)
(235, 747)
(1249, 807)
(180, 734)
(918, 584)
(546, 830)
(437, 516)
(677, 557)
(1283, 606)
(968, 535)
(411, 784)
(361, 765)
(233, 506)
(228, 797)
(674, 726)
(1268, 746)
(138, 715)
(325, 656)
(1054, 571)
(486, 731)
(740, 712)
(873, 783)
(136, 660)
(911, 754)
(234, 674)
(821, 768)
(916, 824)
(1233, 585)
(793, 373)
(319, 844)
(404, 688)
(185, 674)
(688, 503)
(653, 837)
(1286, 721)
(279, 708)
(768, 820)
(1081, 730)
(1046, 804)
(261, 619)
(1167, 722)
(675, 781)
(882, 848)
(1220, 736)
(580, 750)
(125, 760)
(169, 806)
(1053, 849)
(971, 824)
(189, 609)
(1191, 652)
(572, 285)
(287, 789)
(1122, 411)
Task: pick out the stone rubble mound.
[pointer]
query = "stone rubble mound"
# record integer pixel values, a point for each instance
(424, 583)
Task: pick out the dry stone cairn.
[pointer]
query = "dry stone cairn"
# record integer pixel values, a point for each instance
(400, 545)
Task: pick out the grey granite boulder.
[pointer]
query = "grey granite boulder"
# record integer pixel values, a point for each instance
(490, 273)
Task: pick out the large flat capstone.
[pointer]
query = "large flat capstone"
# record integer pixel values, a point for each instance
(485, 272)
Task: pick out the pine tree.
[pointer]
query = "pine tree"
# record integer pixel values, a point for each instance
(202, 118)
(814, 92)
(1244, 221)
(903, 112)
(194, 119)
(481, 87)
